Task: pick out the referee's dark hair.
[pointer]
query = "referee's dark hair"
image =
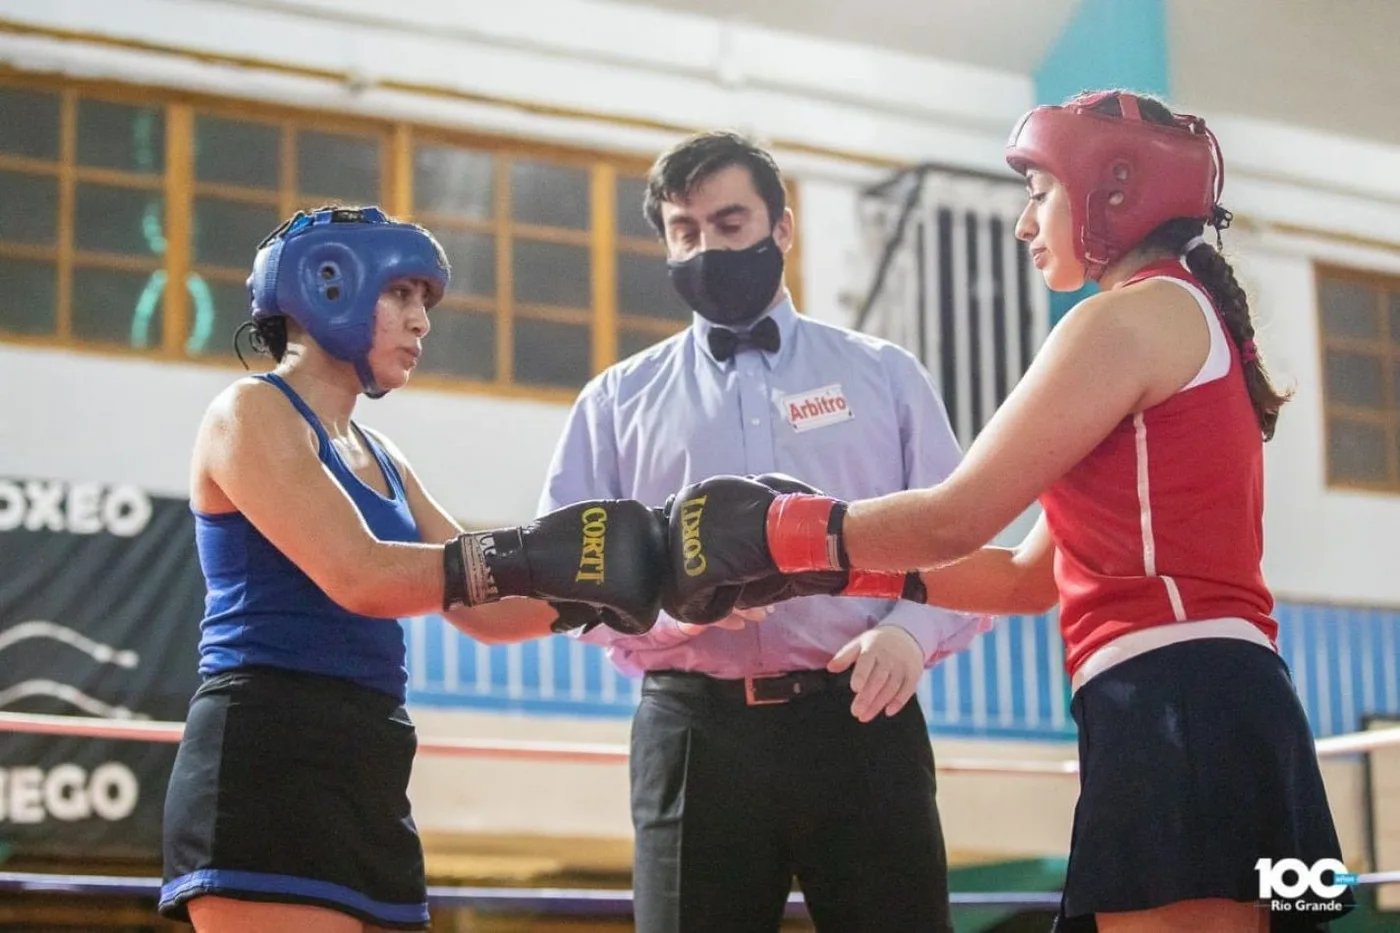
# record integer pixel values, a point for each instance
(678, 172)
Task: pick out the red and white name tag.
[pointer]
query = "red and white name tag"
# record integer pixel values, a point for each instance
(816, 408)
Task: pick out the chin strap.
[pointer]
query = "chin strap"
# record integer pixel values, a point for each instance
(367, 383)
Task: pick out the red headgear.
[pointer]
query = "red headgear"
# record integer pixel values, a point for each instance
(1162, 172)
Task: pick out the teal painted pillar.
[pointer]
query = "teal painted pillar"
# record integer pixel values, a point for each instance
(1106, 43)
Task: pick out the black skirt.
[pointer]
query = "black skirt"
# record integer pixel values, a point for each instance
(292, 788)
(1196, 761)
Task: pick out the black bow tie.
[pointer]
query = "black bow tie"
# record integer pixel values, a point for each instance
(764, 336)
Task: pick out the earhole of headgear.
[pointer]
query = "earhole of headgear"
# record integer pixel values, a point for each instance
(1121, 171)
(332, 293)
(328, 271)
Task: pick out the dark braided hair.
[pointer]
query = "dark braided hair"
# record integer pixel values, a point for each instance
(1218, 277)
(1214, 271)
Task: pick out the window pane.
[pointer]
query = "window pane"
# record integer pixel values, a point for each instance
(29, 124)
(1348, 308)
(549, 195)
(1356, 451)
(121, 137)
(630, 342)
(460, 343)
(453, 181)
(216, 309)
(28, 208)
(227, 233)
(1354, 379)
(338, 166)
(551, 273)
(630, 220)
(117, 307)
(552, 354)
(473, 260)
(119, 220)
(235, 152)
(29, 305)
(644, 288)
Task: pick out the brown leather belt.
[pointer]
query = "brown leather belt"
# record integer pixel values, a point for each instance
(758, 690)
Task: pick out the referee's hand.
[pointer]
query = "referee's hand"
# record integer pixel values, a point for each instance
(888, 664)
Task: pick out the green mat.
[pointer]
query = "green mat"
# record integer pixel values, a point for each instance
(1046, 874)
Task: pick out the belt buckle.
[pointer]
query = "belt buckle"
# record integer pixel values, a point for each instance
(750, 699)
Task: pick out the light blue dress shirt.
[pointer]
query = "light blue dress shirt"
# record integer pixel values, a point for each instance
(851, 414)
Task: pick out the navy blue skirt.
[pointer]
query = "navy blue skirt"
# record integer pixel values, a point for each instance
(1196, 760)
(293, 788)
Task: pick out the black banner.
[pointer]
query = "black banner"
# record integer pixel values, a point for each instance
(100, 601)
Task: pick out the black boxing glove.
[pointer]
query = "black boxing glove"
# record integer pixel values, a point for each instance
(573, 616)
(606, 554)
(717, 544)
(699, 593)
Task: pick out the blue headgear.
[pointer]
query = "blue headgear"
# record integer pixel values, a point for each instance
(326, 270)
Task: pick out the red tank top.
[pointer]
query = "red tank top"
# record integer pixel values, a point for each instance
(1163, 521)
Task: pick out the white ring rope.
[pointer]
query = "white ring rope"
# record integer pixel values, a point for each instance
(597, 752)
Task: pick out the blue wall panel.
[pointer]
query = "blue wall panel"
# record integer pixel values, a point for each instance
(1009, 684)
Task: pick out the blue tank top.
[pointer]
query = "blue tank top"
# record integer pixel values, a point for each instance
(260, 609)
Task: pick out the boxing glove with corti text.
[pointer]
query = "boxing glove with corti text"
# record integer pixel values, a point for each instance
(607, 554)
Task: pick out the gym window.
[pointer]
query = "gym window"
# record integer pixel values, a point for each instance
(1359, 315)
(131, 215)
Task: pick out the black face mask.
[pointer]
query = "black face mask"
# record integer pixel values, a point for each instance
(729, 287)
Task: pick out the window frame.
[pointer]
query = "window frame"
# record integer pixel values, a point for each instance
(180, 189)
(1387, 347)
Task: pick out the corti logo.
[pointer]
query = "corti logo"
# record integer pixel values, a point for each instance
(1283, 883)
(691, 547)
(590, 561)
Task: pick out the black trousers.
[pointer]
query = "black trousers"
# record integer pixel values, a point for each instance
(731, 801)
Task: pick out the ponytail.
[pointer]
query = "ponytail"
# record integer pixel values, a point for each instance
(1216, 274)
(266, 336)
